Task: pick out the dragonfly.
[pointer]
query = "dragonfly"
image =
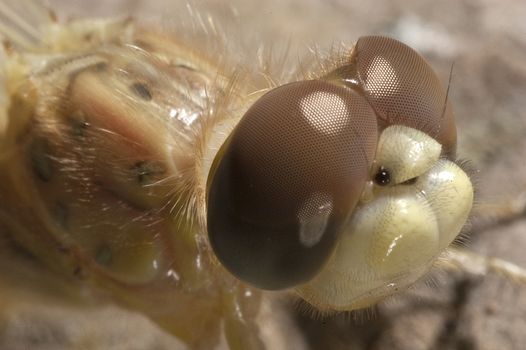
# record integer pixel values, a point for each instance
(177, 185)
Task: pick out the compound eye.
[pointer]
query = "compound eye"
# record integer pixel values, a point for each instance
(403, 89)
(286, 181)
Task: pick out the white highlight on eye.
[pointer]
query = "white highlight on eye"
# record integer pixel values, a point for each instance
(315, 106)
(313, 217)
(379, 71)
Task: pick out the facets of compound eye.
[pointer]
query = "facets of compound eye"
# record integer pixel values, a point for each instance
(285, 182)
(403, 88)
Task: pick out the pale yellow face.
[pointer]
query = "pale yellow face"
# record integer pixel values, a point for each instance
(400, 226)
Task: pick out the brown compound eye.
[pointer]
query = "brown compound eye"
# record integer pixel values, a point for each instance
(286, 181)
(401, 87)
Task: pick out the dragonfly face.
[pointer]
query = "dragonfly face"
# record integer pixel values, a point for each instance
(305, 194)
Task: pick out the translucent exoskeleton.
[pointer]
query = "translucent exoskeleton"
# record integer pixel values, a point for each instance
(183, 188)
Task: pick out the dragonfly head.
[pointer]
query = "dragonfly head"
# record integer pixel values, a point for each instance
(345, 187)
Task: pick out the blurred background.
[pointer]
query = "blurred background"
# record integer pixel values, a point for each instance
(485, 40)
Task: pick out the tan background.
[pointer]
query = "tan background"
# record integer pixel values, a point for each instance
(486, 40)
